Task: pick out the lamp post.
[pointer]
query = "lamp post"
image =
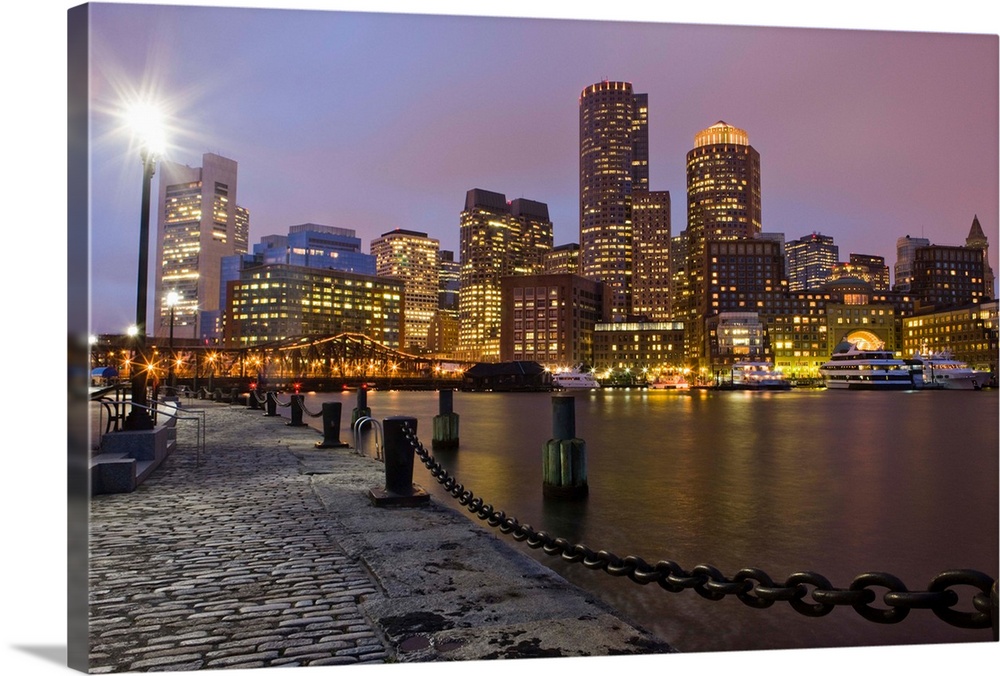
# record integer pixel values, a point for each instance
(145, 122)
(172, 299)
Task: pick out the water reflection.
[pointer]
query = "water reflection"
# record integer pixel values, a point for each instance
(837, 482)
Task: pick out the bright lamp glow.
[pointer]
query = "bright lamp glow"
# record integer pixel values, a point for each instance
(173, 298)
(146, 122)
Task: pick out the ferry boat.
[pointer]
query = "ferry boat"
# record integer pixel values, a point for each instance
(757, 375)
(853, 368)
(677, 382)
(575, 380)
(940, 370)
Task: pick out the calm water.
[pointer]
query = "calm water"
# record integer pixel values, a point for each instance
(839, 483)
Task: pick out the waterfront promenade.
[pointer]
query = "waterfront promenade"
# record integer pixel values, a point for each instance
(269, 553)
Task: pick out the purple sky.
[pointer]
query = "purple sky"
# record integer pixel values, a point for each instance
(379, 121)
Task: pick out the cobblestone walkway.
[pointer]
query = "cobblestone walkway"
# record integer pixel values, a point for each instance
(227, 564)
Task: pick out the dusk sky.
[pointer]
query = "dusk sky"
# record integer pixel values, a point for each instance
(382, 121)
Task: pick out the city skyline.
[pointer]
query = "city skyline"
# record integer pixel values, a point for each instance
(862, 155)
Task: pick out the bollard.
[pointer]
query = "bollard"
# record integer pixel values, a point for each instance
(331, 426)
(445, 423)
(994, 612)
(234, 395)
(217, 394)
(271, 404)
(361, 410)
(296, 411)
(564, 459)
(252, 402)
(399, 490)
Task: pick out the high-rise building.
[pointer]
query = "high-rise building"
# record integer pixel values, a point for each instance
(977, 240)
(723, 203)
(614, 161)
(651, 255)
(871, 269)
(272, 302)
(412, 258)
(198, 224)
(810, 261)
(449, 281)
(903, 270)
(317, 246)
(563, 258)
(497, 239)
(947, 277)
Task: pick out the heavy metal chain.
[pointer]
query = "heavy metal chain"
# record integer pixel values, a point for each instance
(752, 586)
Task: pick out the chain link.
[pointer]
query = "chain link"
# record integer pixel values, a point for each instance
(751, 586)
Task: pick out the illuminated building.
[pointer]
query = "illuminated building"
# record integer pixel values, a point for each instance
(550, 319)
(810, 261)
(977, 240)
(872, 269)
(903, 269)
(277, 301)
(645, 349)
(563, 258)
(969, 333)
(316, 246)
(449, 281)
(737, 336)
(497, 239)
(678, 275)
(411, 257)
(614, 162)
(651, 271)
(198, 224)
(948, 276)
(723, 204)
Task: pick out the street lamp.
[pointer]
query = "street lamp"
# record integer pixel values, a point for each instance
(172, 299)
(146, 124)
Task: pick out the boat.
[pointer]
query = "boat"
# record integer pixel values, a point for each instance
(853, 368)
(677, 382)
(575, 380)
(942, 371)
(757, 375)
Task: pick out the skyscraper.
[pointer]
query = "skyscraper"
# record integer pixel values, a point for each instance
(199, 223)
(810, 261)
(614, 161)
(412, 258)
(723, 203)
(977, 240)
(906, 248)
(651, 255)
(497, 239)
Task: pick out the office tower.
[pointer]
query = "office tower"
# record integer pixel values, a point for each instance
(977, 240)
(614, 161)
(871, 269)
(947, 277)
(275, 301)
(903, 269)
(449, 281)
(497, 239)
(678, 275)
(317, 246)
(198, 224)
(563, 258)
(723, 203)
(412, 258)
(810, 261)
(550, 319)
(651, 255)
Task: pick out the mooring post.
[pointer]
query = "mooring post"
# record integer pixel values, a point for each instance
(271, 405)
(296, 411)
(445, 423)
(994, 612)
(252, 402)
(331, 425)
(361, 410)
(399, 489)
(564, 459)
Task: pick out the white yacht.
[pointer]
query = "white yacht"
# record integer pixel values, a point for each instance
(940, 370)
(675, 382)
(575, 380)
(757, 375)
(853, 368)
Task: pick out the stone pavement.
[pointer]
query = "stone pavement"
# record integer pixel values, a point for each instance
(269, 553)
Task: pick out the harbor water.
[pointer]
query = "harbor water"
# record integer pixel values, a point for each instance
(833, 482)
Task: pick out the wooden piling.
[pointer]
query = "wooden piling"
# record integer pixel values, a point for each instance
(564, 458)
